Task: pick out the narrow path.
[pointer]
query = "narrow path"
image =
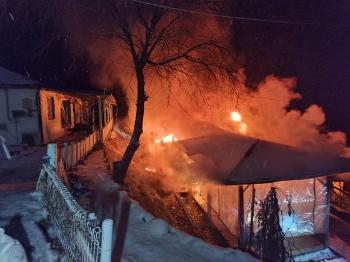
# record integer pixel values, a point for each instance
(102, 191)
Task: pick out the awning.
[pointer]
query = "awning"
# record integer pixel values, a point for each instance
(236, 159)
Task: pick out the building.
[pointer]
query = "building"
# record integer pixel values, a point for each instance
(234, 173)
(31, 114)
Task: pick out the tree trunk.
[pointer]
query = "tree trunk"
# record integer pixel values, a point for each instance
(120, 168)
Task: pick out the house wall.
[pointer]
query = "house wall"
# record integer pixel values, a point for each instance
(52, 128)
(108, 118)
(13, 129)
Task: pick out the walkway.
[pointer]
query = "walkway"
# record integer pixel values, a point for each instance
(103, 192)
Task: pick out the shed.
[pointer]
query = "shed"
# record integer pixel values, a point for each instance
(232, 167)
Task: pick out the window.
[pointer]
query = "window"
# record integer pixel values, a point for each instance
(51, 107)
(66, 114)
(27, 103)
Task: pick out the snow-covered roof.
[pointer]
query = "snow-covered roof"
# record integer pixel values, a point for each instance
(11, 79)
(236, 159)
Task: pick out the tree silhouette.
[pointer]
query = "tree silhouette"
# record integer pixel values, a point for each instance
(165, 42)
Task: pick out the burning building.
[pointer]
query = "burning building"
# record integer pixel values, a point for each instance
(236, 172)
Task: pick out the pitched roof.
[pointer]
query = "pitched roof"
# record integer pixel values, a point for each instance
(236, 159)
(11, 79)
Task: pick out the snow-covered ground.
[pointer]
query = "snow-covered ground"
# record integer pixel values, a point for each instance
(20, 213)
(21, 208)
(321, 255)
(151, 239)
(141, 236)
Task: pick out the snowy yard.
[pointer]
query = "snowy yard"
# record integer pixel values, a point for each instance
(20, 215)
(21, 208)
(152, 239)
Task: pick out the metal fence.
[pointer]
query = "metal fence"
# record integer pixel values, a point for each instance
(81, 234)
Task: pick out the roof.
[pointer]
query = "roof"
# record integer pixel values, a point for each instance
(345, 177)
(11, 79)
(236, 159)
(86, 95)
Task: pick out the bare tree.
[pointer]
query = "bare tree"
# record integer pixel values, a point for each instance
(164, 41)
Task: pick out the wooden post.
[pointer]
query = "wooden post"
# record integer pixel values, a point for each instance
(251, 228)
(328, 203)
(65, 155)
(100, 119)
(242, 242)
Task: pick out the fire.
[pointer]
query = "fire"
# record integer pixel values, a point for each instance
(243, 128)
(150, 169)
(166, 139)
(236, 117)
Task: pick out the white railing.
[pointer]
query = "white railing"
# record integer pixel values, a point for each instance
(72, 152)
(80, 233)
(82, 236)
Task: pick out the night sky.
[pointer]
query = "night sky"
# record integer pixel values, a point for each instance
(317, 55)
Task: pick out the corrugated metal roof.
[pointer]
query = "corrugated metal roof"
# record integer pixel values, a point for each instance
(236, 159)
(11, 79)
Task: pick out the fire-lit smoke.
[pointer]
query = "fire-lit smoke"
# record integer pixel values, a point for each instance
(180, 108)
(263, 113)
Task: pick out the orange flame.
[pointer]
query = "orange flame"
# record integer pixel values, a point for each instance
(166, 139)
(236, 117)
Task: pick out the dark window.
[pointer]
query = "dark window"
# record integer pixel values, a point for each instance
(65, 114)
(27, 103)
(51, 108)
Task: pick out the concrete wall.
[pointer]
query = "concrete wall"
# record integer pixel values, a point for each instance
(14, 129)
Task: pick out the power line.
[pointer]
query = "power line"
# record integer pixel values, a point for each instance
(240, 18)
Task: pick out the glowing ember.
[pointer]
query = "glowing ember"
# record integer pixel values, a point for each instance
(166, 139)
(236, 117)
(150, 169)
(243, 128)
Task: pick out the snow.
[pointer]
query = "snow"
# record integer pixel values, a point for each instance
(27, 207)
(321, 255)
(152, 239)
(10, 249)
(146, 238)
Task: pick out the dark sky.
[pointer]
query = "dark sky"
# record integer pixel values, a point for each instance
(317, 55)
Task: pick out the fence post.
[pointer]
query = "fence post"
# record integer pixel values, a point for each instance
(106, 245)
(65, 155)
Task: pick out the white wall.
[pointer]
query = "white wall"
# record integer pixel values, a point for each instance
(25, 125)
